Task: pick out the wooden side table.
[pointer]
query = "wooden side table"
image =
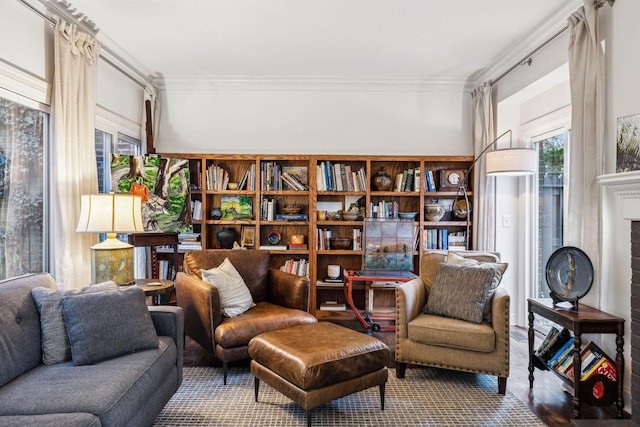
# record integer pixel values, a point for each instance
(153, 239)
(156, 289)
(585, 320)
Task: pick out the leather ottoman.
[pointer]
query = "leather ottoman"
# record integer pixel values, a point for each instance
(316, 363)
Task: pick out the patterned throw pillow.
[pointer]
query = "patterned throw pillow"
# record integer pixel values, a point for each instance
(235, 296)
(460, 292)
(55, 340)
(498, 267)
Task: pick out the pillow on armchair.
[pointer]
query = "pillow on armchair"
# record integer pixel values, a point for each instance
(235, 297)
(499, 269)
(460, 292)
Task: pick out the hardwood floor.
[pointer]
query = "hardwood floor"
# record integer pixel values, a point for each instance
(547, 398)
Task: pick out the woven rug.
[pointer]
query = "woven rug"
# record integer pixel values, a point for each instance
(426, 397)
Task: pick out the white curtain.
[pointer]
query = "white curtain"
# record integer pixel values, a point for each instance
(484, 211)
(151, 95)
(74, 170)
(586, 74)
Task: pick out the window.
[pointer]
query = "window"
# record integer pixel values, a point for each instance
(551, 168)
(105, 147)
(23, 137)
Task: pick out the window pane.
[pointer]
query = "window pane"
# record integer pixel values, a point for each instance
(550, 203)
(22, 140)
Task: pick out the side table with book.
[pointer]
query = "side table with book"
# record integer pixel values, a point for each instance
(595, 377)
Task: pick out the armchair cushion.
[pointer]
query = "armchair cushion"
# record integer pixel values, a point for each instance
(460, 292)
(453, 333)
(107, 324)
(235, 297)
(498, 267)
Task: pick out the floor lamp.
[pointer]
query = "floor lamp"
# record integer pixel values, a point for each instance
(499, 162)
(112, 214)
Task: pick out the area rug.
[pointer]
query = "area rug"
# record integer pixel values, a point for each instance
(426, 397)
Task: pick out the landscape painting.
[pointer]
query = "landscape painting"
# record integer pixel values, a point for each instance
(163, 184)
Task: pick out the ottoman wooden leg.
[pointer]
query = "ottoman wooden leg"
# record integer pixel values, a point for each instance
(382, 387)
(309, 417)
(256, 387)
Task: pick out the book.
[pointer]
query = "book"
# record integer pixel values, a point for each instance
(605, 367)
(298, 246)
(567, 348)
(332, 306)
(333, 280)
(273, 247)
(554, 345)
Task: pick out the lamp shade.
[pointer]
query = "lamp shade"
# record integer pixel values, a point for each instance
(512, 161)
(110, 213)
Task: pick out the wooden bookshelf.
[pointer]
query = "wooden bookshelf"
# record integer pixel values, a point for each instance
(315, 199)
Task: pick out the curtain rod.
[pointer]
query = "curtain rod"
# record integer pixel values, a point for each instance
(527, 59)
(113, 57)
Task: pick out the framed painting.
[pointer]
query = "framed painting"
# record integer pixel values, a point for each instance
(628, 143)
(248, 236)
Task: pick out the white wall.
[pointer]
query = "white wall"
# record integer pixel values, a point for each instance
(314, 118)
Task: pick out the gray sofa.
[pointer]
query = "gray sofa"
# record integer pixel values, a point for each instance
(129, 389)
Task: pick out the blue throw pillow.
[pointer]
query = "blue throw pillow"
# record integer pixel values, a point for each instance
(107, 324)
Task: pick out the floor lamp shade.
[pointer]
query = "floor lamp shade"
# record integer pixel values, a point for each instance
(112, 214)
(511, 161)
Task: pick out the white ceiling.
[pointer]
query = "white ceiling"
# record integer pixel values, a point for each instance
(423, 40)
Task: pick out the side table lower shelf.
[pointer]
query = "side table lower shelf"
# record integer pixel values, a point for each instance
(596, 390)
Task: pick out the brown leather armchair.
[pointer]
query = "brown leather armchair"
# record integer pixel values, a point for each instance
(281, 299)
(431, 340)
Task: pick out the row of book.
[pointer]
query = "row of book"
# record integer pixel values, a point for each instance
(340, 177)
(275, 177)
(384, 209)
(217, 177)
(442, 238)
(166, 270)
(248, 179)
(407, 180)
(556, 352)
(299, 267)
(196, 210)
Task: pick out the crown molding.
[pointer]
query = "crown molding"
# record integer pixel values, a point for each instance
(308, 83)
(519, 49)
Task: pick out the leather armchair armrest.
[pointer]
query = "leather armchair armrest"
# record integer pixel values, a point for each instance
(202, 311)
(288, 290)
(411, 296)
(169, 322)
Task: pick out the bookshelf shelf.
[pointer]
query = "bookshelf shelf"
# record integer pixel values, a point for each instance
(585, 320)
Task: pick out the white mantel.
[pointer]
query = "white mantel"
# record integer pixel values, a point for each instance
(627, 186)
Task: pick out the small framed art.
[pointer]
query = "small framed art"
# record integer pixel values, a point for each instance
(248, 236)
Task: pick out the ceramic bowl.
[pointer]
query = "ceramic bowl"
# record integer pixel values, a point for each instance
(407, 215)
(350, 216)
(433, 211)
(232, 186)
(340, 243)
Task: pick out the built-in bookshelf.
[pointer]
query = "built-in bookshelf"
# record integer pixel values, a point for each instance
(295, 197)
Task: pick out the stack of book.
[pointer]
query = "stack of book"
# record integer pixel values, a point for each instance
(556, 352)
(189, 242)
(333, 306)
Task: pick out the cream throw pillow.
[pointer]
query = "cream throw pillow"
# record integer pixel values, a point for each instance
(499, 269)
(235, 297)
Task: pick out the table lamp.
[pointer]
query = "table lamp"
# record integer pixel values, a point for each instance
(113, 214)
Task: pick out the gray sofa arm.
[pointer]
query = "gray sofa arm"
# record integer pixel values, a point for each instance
(169, 322)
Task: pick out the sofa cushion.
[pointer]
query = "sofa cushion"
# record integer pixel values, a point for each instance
(238, 331)
(499, 269)
(20, 325)
(430, 261)
(443, 331)
(55, 339)
(117, 390)
(460, 292)
(235, 297)
(51, 420)
(108, 324)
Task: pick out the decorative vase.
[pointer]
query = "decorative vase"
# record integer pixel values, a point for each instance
(381, 180)
(226, 237)
(216, 213)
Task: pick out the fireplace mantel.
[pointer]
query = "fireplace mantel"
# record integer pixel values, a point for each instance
(627, 186)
